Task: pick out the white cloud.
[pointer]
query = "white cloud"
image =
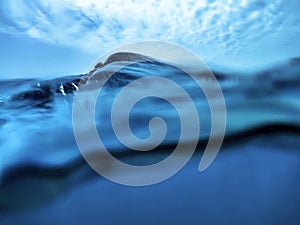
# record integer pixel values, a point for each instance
(216, 29)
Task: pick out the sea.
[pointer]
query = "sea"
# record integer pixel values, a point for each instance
(44, 178)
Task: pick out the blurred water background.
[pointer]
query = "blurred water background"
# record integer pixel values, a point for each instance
(253, 49)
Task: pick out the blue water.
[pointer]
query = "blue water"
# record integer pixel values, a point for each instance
(254, 179)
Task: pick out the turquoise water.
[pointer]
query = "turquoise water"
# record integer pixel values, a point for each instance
(44, 179)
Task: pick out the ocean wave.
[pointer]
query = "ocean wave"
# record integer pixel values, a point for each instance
(262, 105)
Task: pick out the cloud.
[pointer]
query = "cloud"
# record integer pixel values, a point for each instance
(214, 29)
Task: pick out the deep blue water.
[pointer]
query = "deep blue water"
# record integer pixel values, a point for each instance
(254, 179)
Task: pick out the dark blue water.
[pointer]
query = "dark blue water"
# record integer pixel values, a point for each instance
(254, 179)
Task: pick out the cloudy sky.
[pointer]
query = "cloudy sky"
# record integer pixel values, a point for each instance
(60, 37)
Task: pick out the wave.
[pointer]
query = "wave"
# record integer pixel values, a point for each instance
(62, 176)
(37, 143)
(67, 169)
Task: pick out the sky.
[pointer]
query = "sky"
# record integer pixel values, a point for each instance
(42, 38)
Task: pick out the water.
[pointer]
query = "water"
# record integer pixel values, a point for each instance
(254, 179)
